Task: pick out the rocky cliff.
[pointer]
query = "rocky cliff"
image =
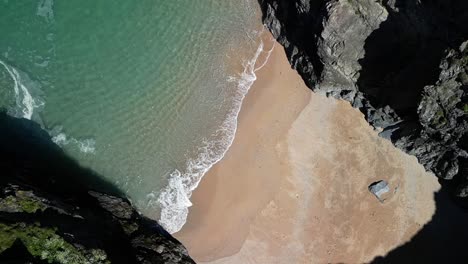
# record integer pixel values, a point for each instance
(54, 211)
(402, 63)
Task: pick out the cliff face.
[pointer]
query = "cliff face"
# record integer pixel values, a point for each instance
(402, 63)
(50, 214)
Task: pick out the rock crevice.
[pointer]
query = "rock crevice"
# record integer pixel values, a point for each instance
(403, 64)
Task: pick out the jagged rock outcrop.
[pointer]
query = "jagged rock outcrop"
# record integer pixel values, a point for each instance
(403, 63)
(54, 211)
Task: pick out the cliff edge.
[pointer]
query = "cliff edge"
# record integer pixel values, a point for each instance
(402, 63)
(49, 213)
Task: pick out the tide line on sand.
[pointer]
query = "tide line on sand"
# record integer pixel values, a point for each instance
(174, 199)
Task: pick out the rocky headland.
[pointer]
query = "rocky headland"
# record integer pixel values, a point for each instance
(54, 211)
(403, 64)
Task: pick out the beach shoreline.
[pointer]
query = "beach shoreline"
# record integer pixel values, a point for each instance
(293, 185)
(249, 117)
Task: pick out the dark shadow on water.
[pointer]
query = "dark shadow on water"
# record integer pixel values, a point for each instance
(27, 153)
(442, 240)
(29, 159)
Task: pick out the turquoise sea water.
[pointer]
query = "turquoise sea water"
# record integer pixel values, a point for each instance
(145, 93)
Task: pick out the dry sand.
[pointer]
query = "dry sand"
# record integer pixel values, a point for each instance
(293, 186)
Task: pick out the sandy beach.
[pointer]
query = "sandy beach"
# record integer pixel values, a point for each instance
(293, 186)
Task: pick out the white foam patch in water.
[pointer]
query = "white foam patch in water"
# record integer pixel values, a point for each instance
(175, 197)
(25, 102)
(26, 105)
(45, 10)
(87, 146)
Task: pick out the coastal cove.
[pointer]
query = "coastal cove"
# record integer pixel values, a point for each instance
(146, 94)
(233, 131)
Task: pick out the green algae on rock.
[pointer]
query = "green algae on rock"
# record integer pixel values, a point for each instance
(51, 211)
(45, 244)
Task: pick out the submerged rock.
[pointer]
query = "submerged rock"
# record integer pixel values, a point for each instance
(54, 211)
(402, 63)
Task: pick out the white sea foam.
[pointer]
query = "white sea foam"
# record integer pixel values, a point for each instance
(87, 146)
(45, 10)
(25, 102)
(26, 105)
(174, 199)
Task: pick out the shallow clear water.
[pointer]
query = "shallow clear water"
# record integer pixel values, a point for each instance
(138, 91)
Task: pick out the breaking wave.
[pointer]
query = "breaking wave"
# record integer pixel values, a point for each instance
(174, 199)
(25, 102)
(87, 145)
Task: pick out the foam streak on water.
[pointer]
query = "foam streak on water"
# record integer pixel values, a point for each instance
(175, 198)
(86, 146)
(24, 101)
(26, 104)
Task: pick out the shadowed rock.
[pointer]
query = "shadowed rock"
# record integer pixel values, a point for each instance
(442, 240)
(58, 212)
(402, 63)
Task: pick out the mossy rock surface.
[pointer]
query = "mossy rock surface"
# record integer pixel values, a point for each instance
(46, 244)
(21, 201)
(52, 210)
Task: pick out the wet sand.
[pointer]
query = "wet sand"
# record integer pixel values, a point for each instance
(293, 186)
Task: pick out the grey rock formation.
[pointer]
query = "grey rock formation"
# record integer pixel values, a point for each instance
(379, 189)
(402, 63)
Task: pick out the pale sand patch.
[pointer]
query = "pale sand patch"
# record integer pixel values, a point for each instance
(293, 186)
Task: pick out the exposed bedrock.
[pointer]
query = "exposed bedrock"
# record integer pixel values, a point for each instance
(403, 63)
(54, 211)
